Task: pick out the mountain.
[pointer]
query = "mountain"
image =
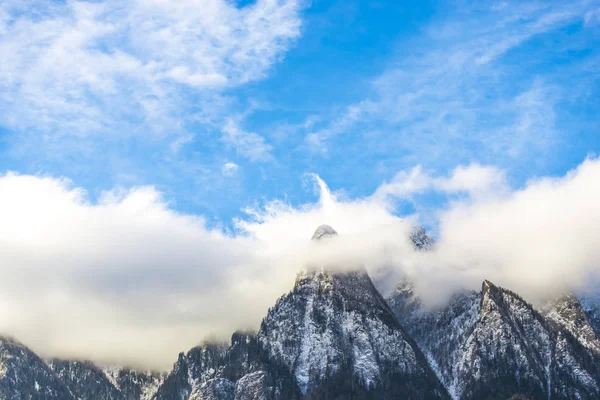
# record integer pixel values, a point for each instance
(337, 336)
(420, 239)
(568, 313)
(334, 336)
(87, 381)
(135, 384)
(493, 344)
(591, 306)
(240, 371)
(24, 375)
(191, 371)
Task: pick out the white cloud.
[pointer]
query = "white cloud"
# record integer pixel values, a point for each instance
(230, 169)
(247, 144)
(474, 179)
(79, 67)
(128, 279)
(537, 240)
(405, 184)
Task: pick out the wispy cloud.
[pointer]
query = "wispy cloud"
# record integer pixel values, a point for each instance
(230, 169)
(247, 144)
(125, 67)
(451, 95)
(475, 180)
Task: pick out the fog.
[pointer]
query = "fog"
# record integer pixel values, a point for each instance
(126, 279)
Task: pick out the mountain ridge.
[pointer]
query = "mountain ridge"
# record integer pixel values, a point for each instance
(334, 336)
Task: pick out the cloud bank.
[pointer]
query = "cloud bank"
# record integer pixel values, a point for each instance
(126, 279)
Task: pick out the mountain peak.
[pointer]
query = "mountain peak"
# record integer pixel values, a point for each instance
(323, 230)
(420, 239)
(486, 286)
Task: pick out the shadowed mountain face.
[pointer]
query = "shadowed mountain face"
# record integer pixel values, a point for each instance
(87, 381)
(591, 307)
(335, 337)
(24, 375)
(242, 370)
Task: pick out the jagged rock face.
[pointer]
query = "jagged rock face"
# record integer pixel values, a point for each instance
(255, 374)
(591, 306)
(568, 313)
(134, 384)
(85, 380)
(23, 375)
(214, 389)
(421, 240)
(337, 336)
(242, 371)
(190, 371)
(494, 345)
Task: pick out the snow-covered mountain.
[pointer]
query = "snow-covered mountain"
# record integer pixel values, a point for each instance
(24, 375)
(493, 344)
(334, 336)
(337, 336)
(591, 306)
(87, 381)
(242, 370)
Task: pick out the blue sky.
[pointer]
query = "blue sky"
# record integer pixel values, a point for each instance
(222, 106)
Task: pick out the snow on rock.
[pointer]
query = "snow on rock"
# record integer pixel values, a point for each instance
(191, 371)
(493, 344)
(240, 371)
(87, 381)
(591, 306)
(420, 239)
(336, 324)
(323, 230)
(214, 389)
(568, 313)
(135, 384)
(24, 375)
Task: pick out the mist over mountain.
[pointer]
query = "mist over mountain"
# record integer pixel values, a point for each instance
(334, 336)
(127, 280)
